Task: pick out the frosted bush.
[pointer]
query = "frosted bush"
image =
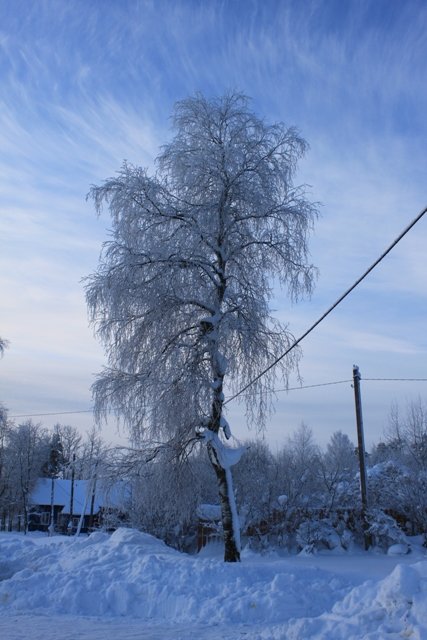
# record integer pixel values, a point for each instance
(313, 535)
(384, 529)
(347, 539)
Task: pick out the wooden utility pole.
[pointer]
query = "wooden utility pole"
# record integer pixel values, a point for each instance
(51, 528)
(92, 499)
(361, 450)
(73, 473)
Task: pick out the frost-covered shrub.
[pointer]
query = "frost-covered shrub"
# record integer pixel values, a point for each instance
(383, 529)
(346, 539)
(342, 523)
(316, 534)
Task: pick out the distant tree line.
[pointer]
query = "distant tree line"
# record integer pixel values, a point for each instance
(29, 451)
(300, 496)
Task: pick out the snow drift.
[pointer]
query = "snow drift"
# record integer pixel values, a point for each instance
(131, 574)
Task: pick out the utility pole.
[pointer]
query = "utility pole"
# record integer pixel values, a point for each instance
(51, 528)
(73, 473)
(361, 450)
(92, 500)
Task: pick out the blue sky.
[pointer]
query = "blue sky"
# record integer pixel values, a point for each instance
(85, 85)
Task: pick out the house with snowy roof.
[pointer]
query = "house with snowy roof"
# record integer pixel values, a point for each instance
(72, 503)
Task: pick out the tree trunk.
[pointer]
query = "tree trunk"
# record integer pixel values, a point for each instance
(230, 524)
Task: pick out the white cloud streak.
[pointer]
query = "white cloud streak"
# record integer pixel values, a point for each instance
(82, 89)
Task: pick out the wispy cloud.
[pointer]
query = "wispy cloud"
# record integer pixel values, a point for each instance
(84, 87)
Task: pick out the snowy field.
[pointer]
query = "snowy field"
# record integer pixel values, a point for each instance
(130, 586)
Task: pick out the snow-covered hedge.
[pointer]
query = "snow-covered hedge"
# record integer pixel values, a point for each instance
(316, 534)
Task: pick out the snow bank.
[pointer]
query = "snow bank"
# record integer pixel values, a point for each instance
(395, 607)
(132, 576)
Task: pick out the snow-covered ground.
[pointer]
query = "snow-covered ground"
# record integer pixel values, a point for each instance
(130, 586)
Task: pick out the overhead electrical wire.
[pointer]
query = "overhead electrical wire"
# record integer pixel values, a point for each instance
(307, 386)
(331, 308)
(349, 381)
(55, 413)
(394, 379)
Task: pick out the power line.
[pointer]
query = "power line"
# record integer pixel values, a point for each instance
(307, 386)
(331, 308)
(58, 413)
(312, 386)
(395, 379)
(327, 384)
(335, 382)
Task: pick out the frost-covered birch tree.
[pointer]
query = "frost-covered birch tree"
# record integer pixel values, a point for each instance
(181, 295)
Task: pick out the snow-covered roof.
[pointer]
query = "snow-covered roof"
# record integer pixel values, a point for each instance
(114, 496)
